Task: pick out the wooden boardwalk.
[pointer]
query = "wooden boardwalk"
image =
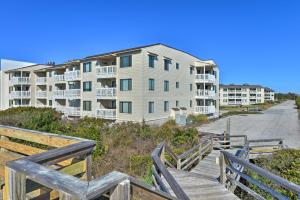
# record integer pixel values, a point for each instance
(201, 183)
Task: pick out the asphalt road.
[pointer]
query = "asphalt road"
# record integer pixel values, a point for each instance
(280, 121)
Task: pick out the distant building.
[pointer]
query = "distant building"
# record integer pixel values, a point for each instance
(150, 83)
(235, 95)
(4, 79)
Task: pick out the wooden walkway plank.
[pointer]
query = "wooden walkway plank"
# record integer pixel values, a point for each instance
(201, 183)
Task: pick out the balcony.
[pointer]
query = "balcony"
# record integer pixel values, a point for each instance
(59, 94)
(205, 109)
(19, 80)
(103, 93)
(73, 94)
(106, 113)
(72, 111)
(106, 71)
(205, 94)
(41, 81)
(41, 94)
(59, 78)
(20, 94)
(205, 78)
(72, 75)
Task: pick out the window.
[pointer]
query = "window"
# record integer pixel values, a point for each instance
(50, 102)
(177, 65)
(50, 74)
(125, 84)
(151, 84)
(191, 70)
(225, 89)
(87, 67)
(166, 106)
(258, 95)
(151, 60)
(87, 86)
(177, 103)
(177, 84)
(244, 95)
(125, 107)
(87, 105)
(50, 88)
(191, 87)
(166, 86)
(151, 107)
(191, 103)
(224, 95)
(167, 62)
(125, 61)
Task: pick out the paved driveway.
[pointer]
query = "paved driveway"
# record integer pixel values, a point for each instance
(280, 121)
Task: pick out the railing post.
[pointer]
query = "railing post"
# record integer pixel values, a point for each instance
(88, 168)
(121, 191)
(179, 163)
(162, 155)
(15, 185)
(200, 150)
(222, 168)
(211, 143)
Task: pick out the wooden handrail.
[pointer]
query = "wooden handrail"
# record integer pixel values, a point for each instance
(161, 168)
(231, 159)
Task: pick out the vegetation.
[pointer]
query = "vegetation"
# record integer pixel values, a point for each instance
(298, 102)
(284, 163)
(198, 119)
(124, 147)
(230, 113)
(285, 96)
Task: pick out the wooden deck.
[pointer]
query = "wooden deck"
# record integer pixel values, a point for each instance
(201, 183)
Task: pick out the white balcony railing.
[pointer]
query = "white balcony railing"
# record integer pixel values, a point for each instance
(59, 94)
(106, 92)
(106, 113)
(73, 93)
(205, 94)
(19, 80)
(72, 111)
(59, 78)
(208, 78)
(20, 94)
(41, 81)
(106, 71)
(205, 109)
(72, 75)
(41, 94)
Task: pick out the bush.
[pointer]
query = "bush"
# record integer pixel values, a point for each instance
(284, 163)
(298, 102)
(198, 119)
(124, 147)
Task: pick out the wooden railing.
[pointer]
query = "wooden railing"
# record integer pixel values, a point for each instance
(51, 166)
(163, 157)
(230, 166)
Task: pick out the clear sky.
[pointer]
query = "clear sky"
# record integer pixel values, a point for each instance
(252, 41)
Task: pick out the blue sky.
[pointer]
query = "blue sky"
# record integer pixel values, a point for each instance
(252, 41)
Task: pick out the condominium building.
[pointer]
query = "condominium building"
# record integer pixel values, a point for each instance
(148, 83)
(4, 79)
(235, 95)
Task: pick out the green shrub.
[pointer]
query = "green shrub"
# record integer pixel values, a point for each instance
(284, 163)
(124, 147)
(199, 119)
(298, 102)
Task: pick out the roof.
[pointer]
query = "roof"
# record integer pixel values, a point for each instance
(138, 48)
(269, 89)
(240, 86)
(23, 68)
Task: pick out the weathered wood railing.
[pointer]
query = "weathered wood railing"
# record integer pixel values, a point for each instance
(59, 167)
(230, 169)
